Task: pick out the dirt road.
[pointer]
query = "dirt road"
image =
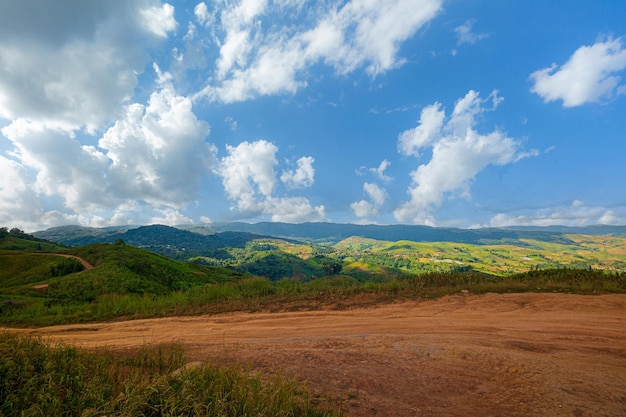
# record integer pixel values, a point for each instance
(488, 355)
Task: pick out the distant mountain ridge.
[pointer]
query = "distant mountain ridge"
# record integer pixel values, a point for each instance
(173, 242)
(218, 235)
(335, 232)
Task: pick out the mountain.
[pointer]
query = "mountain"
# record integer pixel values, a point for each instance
(213, 236)
(332, 233)
(600, 229)
(169, 241)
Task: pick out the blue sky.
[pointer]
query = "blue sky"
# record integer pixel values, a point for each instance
(446, 113)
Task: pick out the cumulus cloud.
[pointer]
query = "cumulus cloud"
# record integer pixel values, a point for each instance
(364, 209)
(159, 20)
(589, 75)
(63, 166)
(303, 176)
(426, 132)
(74, 69)
(368, 209)
(17, 198)
(257, 60)
(375, 193)
(248, 173)
(459, 153)
(152, 158)
(294, 210)
(158, 152)
(170, 217)
(249, 178)
(576, 214)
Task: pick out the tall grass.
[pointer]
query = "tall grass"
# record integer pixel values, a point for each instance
(256, 294)
(40, 379)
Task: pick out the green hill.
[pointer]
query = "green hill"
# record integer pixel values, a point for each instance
(118, 268)
(169, 241)
(47, 288)
(15, 239)
(581, 252)
(26, 260)
(124, 269)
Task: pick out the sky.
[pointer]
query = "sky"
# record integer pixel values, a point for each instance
(451, 113)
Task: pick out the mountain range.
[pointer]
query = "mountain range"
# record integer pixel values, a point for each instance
(213, 236)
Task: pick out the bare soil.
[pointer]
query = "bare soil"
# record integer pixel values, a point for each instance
(466, 355)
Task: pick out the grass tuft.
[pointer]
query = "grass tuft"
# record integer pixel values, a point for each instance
(41, 379)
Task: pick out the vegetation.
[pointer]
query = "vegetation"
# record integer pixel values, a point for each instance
(16, 239)
(40, 288)
(127, 282)
(41, 379)
(338, 292)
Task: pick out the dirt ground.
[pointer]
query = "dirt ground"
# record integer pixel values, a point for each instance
(464, 355)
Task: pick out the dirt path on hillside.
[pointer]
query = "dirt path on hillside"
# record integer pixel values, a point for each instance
(489, 355)
(83, 262)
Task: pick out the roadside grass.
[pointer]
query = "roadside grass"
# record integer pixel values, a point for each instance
(336, 292)
(43, 379)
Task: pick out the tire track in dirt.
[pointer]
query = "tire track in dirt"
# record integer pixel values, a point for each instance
(488, 355)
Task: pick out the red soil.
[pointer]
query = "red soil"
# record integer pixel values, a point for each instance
(489, 355)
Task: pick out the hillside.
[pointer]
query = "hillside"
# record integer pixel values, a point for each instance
(169, 241)
(364, 254)
(330, 233)
(16, 239)
(582, 252)
(44, 284)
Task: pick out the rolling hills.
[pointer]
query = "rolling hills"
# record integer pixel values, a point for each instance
(295, 250)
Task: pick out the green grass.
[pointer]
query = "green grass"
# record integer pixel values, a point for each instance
(42, 379)
(340, 292)
(118, 269)
(10, 242)
(23, 268)
(505, 258)
(129, 283)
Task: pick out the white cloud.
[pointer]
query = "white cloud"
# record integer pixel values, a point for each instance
(459, 153)
(238, 21)
(257, 60)
(170, 217)
(375, 193)
(202, 14)
(294, 210)
(249, 179)
(248, 171)
(364, 209)
(368, 209)
(72, 70)
(47, 151)
(576, 214)
(379, 171)
(465, 35)
(588, 76)
(303, 176)
(17, 198)
(153, 158)
(374, 30)
(158, 152)
(426, 132)
(159, 20)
